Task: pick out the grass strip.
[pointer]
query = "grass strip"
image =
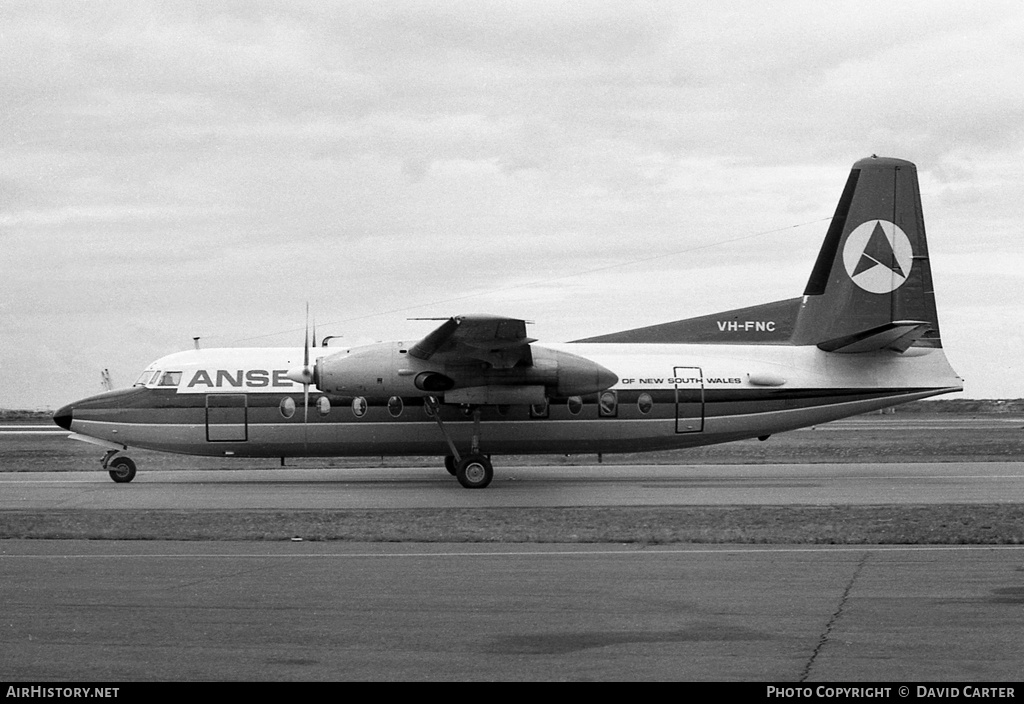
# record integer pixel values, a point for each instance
(947, 524)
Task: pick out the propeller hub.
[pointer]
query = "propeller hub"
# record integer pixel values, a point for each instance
(301, 375)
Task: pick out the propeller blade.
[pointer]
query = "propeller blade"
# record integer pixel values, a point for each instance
(305, 357)
(306, 375)
(305, 404)
(303, 375)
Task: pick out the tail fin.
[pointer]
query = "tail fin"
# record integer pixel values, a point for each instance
(871, 287)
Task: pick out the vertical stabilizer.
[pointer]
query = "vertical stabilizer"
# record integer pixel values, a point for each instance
(871, 287)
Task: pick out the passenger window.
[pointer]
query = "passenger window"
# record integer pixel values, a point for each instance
(575, 404)
(287, 407)
(540, 410)
(608, 406)
(395, 406)
(323, 405)
(645, 403)
(359, 406)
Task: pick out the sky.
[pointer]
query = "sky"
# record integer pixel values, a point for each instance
(179, 169)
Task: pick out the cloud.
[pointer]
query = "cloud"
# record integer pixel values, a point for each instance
(173, 171)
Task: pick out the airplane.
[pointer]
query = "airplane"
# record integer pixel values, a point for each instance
(863, 336)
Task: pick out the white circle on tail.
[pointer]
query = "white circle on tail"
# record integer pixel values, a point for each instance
(878, 256)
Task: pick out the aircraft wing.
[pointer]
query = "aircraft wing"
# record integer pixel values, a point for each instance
(498, 341)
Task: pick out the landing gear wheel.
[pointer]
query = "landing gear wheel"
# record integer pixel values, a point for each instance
(451, 465)
(122, 470)
(475, 472)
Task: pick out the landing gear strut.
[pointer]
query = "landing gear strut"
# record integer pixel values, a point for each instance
(474, 471)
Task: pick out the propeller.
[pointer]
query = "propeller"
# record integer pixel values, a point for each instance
(304, 374)
(307, 374)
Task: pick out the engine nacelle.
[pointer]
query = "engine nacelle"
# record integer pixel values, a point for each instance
(367, 371)
(566, 374)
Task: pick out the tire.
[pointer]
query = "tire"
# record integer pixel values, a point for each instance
(475, 472)
(122, 470)
(451, 465)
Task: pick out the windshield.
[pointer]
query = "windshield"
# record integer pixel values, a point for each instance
(170, 379)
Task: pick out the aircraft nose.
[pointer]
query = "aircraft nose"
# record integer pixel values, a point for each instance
(63, 417)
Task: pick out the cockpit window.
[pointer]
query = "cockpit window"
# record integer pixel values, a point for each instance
(170, 379)
(147, 376)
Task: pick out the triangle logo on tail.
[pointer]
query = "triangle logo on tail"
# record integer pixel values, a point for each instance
(878, 256)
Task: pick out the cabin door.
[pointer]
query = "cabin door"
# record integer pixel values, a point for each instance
(227, 418)
(689, 383)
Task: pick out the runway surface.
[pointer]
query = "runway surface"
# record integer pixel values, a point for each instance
(597, 485)
(130, 611)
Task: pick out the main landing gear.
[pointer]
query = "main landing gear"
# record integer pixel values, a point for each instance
(474, 471)
(121, 469)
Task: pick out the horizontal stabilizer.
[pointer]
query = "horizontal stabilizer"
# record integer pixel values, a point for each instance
(898, 335)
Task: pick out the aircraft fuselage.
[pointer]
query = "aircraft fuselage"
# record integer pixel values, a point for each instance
(240, 402)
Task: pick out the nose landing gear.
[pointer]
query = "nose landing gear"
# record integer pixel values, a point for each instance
(121, 469)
